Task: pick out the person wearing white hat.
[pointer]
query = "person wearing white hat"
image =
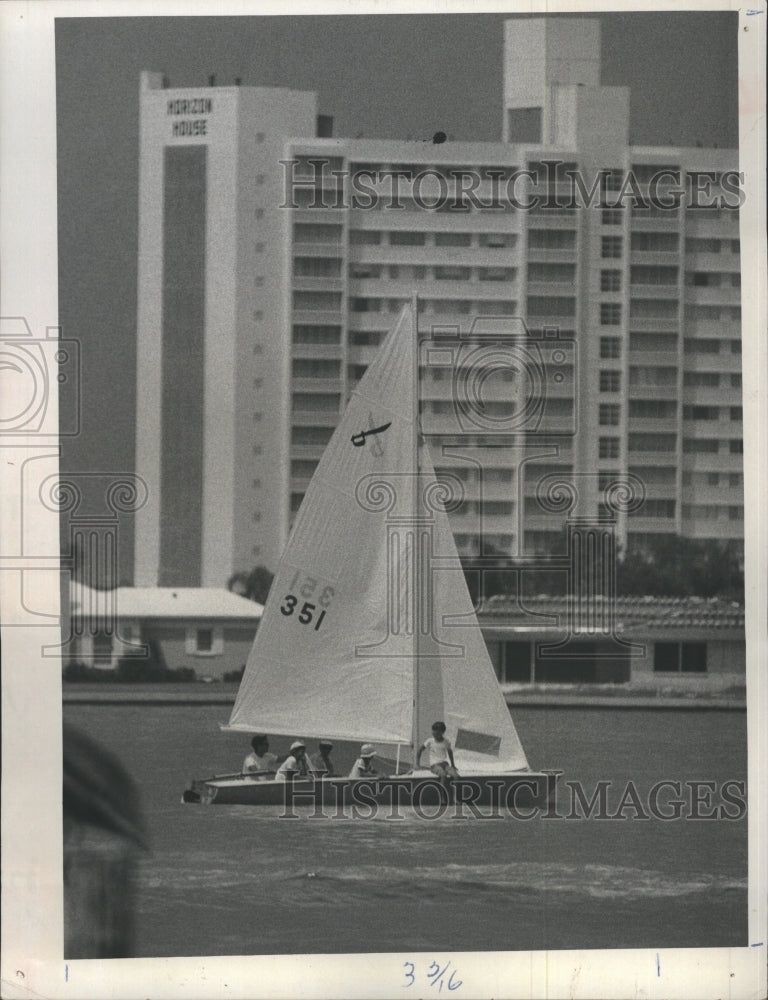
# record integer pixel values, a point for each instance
(363, 767)
(295, 764)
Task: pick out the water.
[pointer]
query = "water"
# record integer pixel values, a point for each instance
(234, 880)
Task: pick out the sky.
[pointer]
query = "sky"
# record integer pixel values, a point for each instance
(390, 76)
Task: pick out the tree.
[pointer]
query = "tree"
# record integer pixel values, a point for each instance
(675, 566)
(254, 585)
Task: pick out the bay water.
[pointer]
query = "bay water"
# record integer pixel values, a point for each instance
(238, 880)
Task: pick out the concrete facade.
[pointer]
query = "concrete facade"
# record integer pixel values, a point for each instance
(312, 245)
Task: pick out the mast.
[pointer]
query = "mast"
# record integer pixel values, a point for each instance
(415, 558)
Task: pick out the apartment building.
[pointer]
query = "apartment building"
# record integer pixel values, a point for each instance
(578, 313)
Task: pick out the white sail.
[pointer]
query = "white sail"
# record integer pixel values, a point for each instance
(369, 614)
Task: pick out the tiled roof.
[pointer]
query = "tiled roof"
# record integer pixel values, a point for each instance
(163, 602)
(629, 612)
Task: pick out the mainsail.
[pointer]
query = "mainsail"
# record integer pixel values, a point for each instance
(369, 632)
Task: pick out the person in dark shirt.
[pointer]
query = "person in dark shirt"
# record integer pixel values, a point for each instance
(320, 763)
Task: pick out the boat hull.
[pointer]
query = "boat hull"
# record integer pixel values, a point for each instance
(516, 793)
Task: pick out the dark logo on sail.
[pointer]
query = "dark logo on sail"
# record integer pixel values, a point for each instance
(358, 440)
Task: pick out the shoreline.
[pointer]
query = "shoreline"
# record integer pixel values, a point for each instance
(199, 694)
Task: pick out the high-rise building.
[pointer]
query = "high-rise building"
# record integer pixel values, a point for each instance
(578, 302)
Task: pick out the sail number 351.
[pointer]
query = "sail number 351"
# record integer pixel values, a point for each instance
(307, 612)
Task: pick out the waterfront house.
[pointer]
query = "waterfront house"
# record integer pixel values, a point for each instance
(207, 629)
(668, 644)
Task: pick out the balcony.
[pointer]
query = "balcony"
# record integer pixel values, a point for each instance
(654, 391)
(725, 227)
(333, 250)
(720, 295)
(300, 283)
(638, 291)
(314, 418)
(323, 352)
(318, 317)
(654, 257)
(664, 324)
(319, 385)
(723, 263)
(553, 256)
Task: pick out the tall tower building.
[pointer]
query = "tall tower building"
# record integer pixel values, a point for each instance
(273, 261)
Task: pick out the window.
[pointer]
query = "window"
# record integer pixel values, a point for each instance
(317, 267)
(652, 442)
(701, 412)
(307, 334)
(652, 375)
(364, 305)
(610, 313)
(655, 242)
(736, 413)
(680, 657)
(610, 347)
(736, 280)
(611, 217)
(398, 239)
(736, 446)
(653, 409)
(608, 447)
(453, 239)
(609, 414)
(611, 246)
(315, 368)
(705, 345)
(734, 479)
(662, 342)
(205, 641)
(655, 508)
(364, 237)
(452, 273)
(642, 275)
(496, 273)
(610, 381)
(736, 381)
(552, 239)
(735, 513)
(317, 300)
(709, 380)
(560, 273)
(735, 347)
(610, 281)
(701, 446)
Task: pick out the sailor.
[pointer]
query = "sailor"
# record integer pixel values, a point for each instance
(441, 760)
(363, 768)
(295, 764)
(260, 762)
(320, 763)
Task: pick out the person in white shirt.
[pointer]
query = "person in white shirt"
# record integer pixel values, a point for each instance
(363, 767)
(260, 763)
(441, 760)
(295, 764)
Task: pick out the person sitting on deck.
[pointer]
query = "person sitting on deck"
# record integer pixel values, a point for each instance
(295, 764)
(441, 760)
(363, 768)
(320, 763)
(260, 763)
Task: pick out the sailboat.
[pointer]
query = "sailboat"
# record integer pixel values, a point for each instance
(369, 633)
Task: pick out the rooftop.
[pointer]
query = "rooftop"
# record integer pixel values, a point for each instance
(630, 612)
(163, 602)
